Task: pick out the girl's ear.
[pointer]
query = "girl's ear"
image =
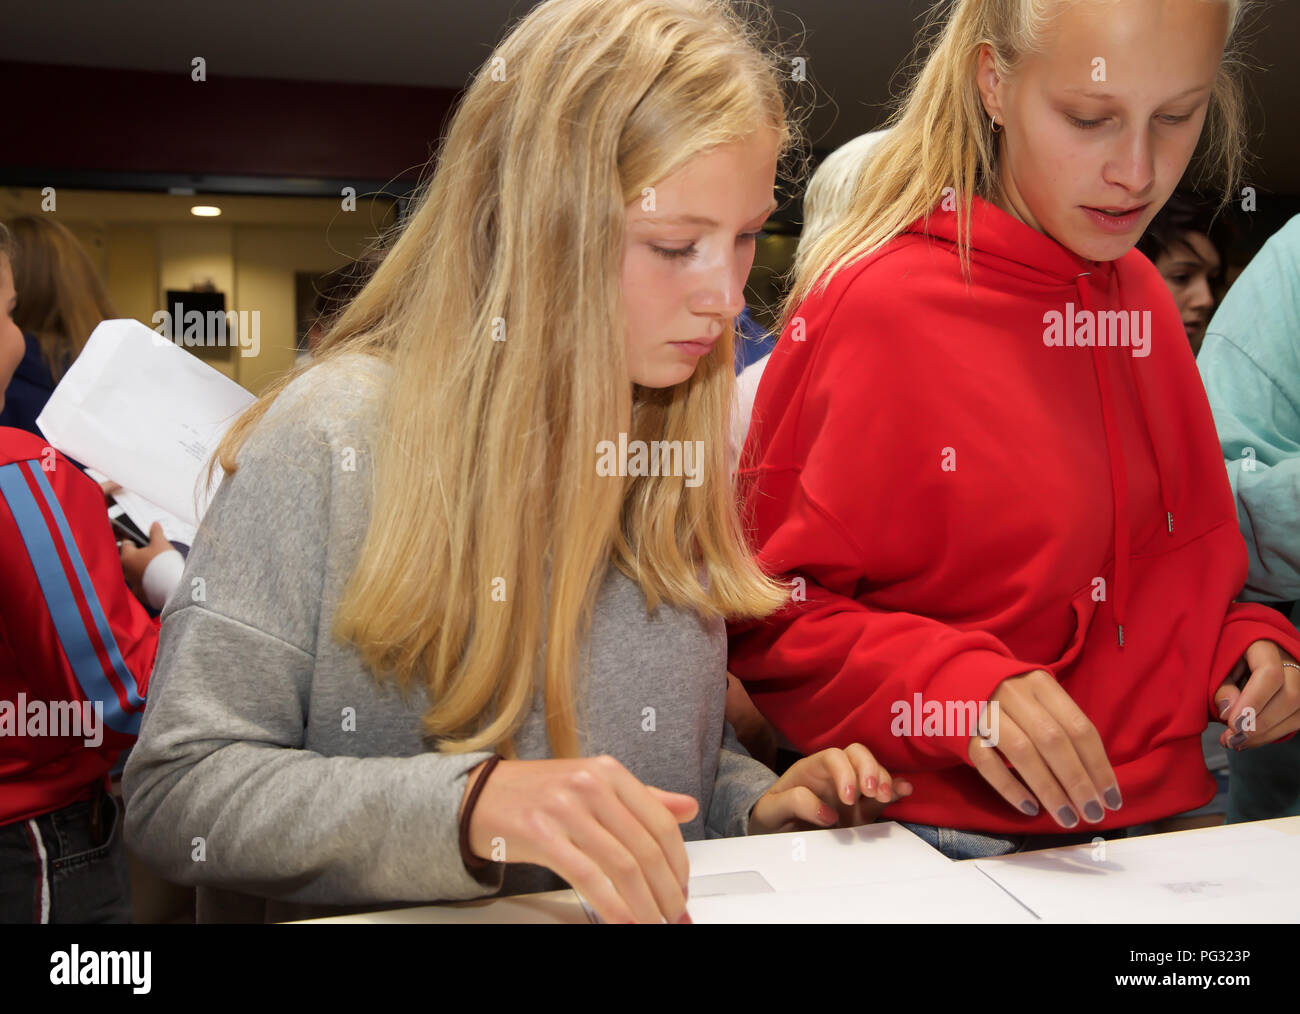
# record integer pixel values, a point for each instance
(987, 81)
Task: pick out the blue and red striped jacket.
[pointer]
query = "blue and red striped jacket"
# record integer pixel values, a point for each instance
(74, 641)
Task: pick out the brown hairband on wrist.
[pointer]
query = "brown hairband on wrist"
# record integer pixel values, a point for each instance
(473, 862)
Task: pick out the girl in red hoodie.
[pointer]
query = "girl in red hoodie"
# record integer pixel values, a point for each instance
(982, 455)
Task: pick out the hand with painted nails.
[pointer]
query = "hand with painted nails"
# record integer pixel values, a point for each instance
(831, 788)
(1053, 748)
(1260, 699)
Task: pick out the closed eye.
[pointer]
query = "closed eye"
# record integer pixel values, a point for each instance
(674, 253)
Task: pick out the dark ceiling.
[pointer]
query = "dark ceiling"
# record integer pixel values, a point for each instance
(854, 47)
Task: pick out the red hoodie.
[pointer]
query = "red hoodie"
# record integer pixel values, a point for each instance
(965, 503)
(70, 632)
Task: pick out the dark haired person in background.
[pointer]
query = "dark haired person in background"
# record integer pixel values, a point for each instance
(334, 291)
(1183, 243)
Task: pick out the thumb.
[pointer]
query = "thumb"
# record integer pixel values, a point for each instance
(682, 807)
(156, 536)
(1225, 698)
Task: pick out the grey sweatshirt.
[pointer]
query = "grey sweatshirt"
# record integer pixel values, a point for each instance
(274, 774)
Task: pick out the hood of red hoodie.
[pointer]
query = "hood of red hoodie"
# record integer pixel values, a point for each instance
(1003, 244)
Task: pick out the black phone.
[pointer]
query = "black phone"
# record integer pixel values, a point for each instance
(125, 527)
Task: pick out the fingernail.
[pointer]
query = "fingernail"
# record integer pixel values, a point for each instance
(1241, 720)
(1113, 799)
(1093, 811)
(1030, 807)
(871, 784)
(847, 793)
(1227, 706)
(1066, 816)
(825, 814)
(685, 920)
(1236, 740)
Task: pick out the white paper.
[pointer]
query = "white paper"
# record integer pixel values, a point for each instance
(1239, 873)
(145, 413)
(798, 860)
(961, 894)
(144, 513)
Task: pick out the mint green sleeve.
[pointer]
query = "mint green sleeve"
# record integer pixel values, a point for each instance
(1250, 363)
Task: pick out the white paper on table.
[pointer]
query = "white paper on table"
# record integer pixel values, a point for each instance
(145, 413)
(960, 894)
(144, 513)
(798, 860)
(1238, 873)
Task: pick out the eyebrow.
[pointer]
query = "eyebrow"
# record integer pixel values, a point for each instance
(1106, 96)
(1214, 265)
(698, 219)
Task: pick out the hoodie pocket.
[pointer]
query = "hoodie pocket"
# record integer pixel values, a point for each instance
(1085, 609)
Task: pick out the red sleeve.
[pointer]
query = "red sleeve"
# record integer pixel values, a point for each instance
(830, 670)
(841, 666)
(1246, 623)
(72, 627)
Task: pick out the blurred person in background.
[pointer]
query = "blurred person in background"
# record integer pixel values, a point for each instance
(62, 301)
(334, 291)
(1183, 241)
(76, 652)
(1250, 365)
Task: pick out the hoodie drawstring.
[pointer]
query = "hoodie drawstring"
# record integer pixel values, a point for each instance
(1118, 475)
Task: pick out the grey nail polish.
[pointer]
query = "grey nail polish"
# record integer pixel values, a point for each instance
(1236, 740)
(1113, 799)
(1241, 720)
(1067, 816)
(1092, 811)
(1030, 807)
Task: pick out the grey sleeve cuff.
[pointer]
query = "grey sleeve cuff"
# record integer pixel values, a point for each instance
(739, 784)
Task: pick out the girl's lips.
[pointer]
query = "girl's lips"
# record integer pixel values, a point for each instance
(698, 347)
(1115, 223)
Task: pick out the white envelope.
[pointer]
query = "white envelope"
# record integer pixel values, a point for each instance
(145, 413)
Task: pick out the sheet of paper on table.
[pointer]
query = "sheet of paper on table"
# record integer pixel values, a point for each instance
(145, 413)
(1240, 873)
(959, 895)
(797, 860)
(879, 872)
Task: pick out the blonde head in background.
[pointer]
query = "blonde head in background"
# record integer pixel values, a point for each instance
(830, 191)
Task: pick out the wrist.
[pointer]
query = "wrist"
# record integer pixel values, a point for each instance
(474, 784)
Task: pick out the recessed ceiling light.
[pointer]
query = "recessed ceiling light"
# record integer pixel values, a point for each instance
(205, 211)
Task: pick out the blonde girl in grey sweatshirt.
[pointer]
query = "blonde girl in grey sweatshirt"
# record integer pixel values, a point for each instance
(494, 518)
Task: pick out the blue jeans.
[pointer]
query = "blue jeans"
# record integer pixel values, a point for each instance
(68, 866)
(957, 844)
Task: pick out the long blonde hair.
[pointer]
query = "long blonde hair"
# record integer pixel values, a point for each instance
(940, 137)
(61, 298)
(485, 464)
